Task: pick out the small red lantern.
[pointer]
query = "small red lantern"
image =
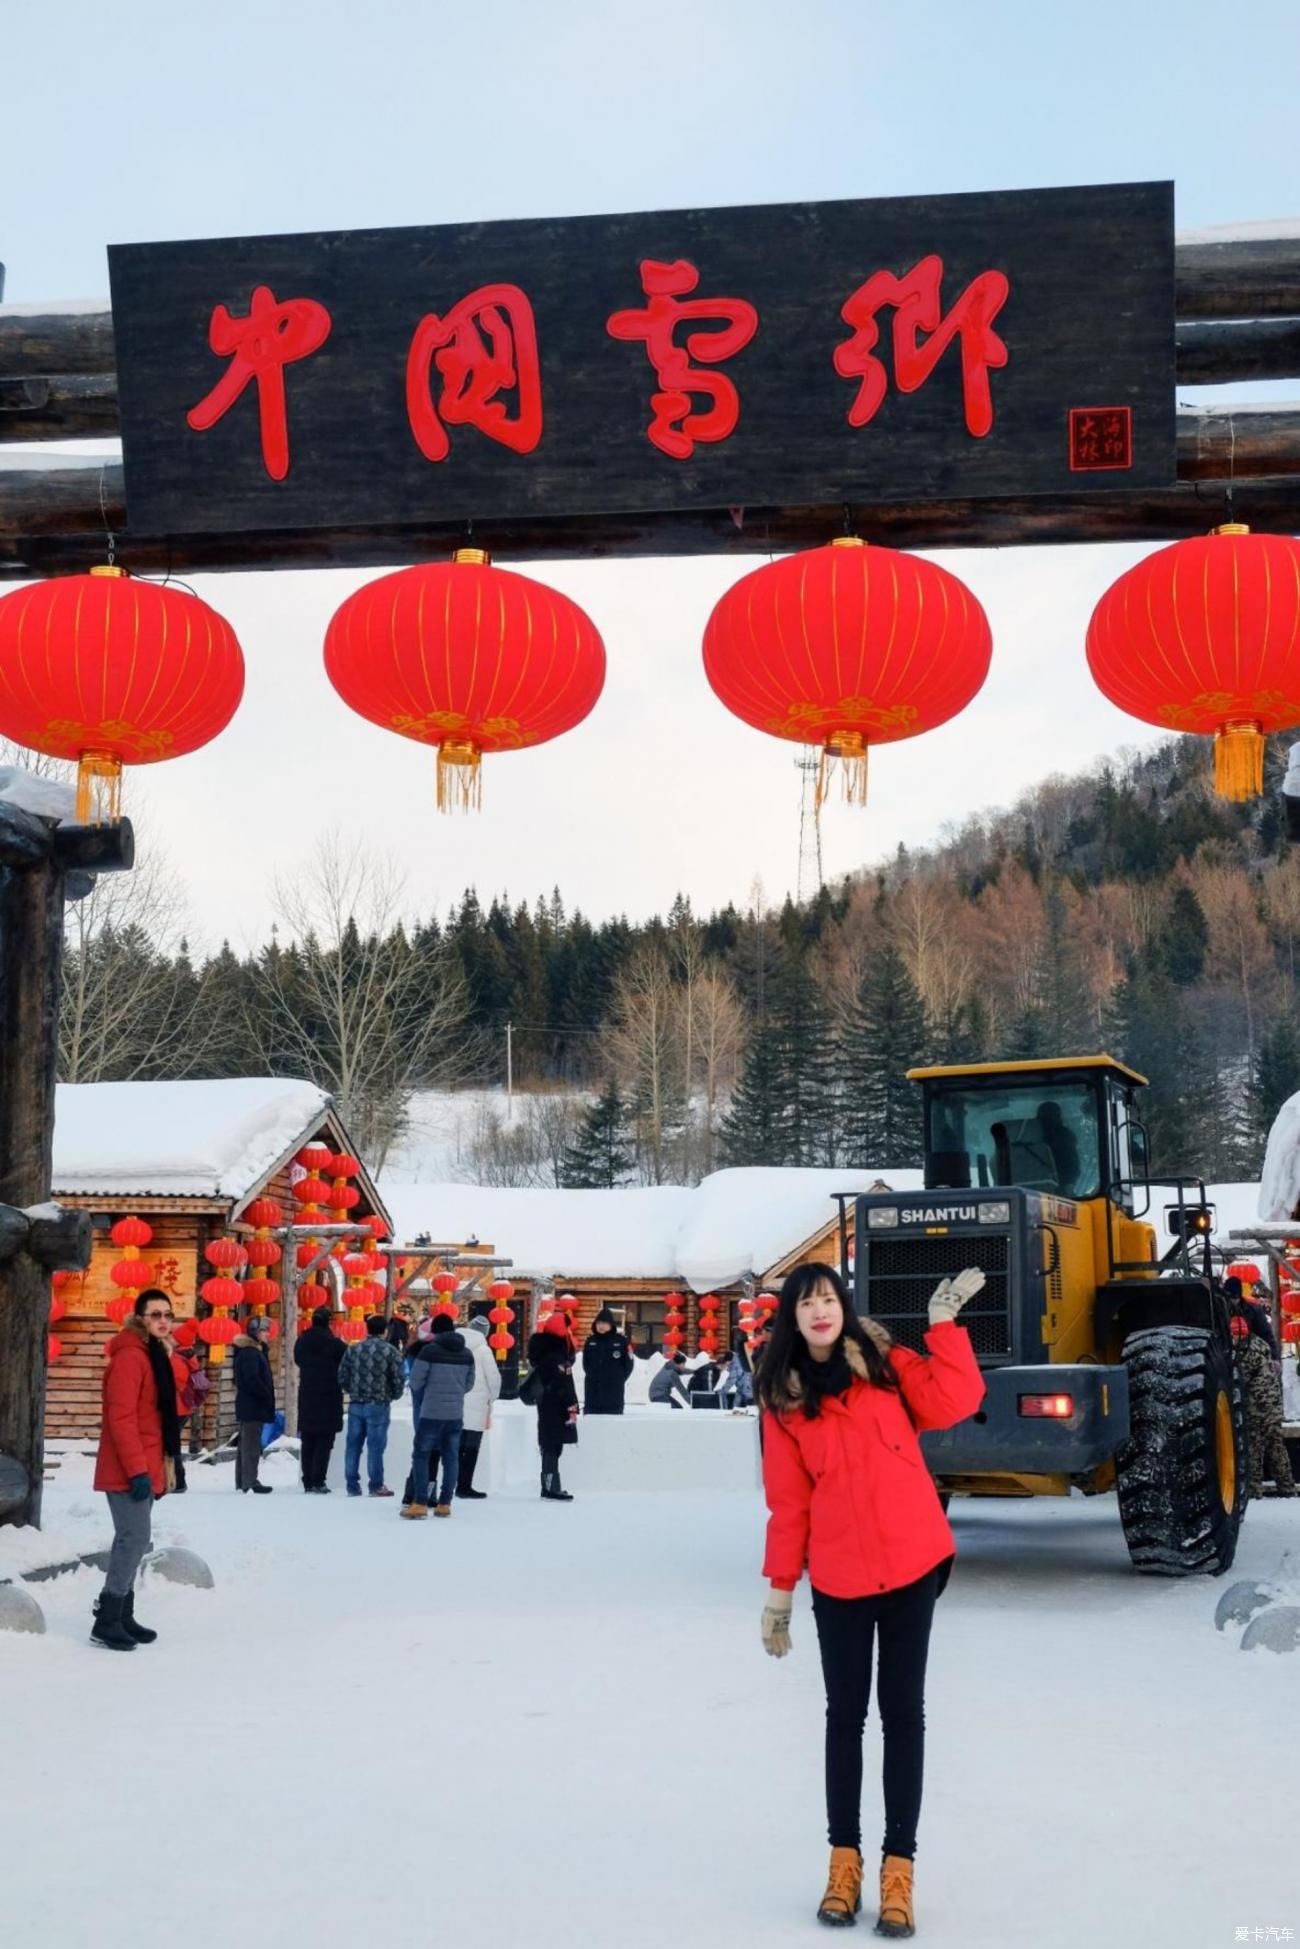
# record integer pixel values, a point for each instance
(351, 1329)
(501, 1290)
(262, 1213)
(445, 1282)
(111, 671)
(259, 1293)
(468, 658)
(342, 1197)
(225, 1253)
(221, 1291)
(376, 1226)
(263, 1252)
(358, 1264)
(131, 1273)
(119, 1307)
(218, 1332)
(846, 647)
(131, 1231)
(1291, 1302)
(343, 1165)
(1291, 1329)
(1202, 636)
(305, 1252)
(501, 1342)
(312, 1191)
(53, 1347)
(315, 1158)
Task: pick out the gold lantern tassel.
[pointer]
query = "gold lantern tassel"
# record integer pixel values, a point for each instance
(460, 777)
(99, 789)
(846, 754)
(1239, 761)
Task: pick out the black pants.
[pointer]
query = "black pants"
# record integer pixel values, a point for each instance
(248, 1454)
(550, 1461)
(315, 1459)
(846, 1628)
(470, 1442)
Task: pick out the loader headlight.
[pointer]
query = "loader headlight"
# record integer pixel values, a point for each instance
(998, 1213)
(882, 1218)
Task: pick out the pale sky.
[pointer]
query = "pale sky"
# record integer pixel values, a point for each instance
(152, 121)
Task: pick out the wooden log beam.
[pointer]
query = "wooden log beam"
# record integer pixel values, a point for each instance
(37, 339)
(1238, 274)
(50, 520)
(1224, 351)
(62, 406)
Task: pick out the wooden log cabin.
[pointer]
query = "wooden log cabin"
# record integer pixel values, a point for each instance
(630, 1248)
(186, 1157)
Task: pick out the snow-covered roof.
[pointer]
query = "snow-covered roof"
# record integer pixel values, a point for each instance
(1279, 1186)
(47, 798)
(735, 1222)
(201, 1139)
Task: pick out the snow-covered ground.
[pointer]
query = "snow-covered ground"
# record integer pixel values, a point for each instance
(554, 1727)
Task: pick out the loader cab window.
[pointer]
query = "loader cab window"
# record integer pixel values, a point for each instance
(1039, 1134)
(1128, 1147)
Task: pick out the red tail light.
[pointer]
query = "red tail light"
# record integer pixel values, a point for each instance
(1052, 1407)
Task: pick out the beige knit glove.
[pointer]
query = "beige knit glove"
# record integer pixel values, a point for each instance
(776, 1622)
(948, 1298)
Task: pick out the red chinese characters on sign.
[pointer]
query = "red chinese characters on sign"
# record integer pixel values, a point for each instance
(916, 303)
(676, 428)
(1101, 439)
(485, 345)
(167, 1275)
(259, 347)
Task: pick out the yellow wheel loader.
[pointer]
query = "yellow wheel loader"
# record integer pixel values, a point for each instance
(1108, 1365)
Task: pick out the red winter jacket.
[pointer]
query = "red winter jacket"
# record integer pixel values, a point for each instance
(130, 1439)
(849, 1494)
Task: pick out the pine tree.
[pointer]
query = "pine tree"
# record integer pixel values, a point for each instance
(600, 1156)
(1186, 937)
(753, 1130)
(1157, 1037)
(883, 1037)
(806, 1054)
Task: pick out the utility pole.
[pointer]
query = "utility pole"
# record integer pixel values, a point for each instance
(510, 1070)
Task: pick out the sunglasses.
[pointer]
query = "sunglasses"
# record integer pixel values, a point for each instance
(160, 1316)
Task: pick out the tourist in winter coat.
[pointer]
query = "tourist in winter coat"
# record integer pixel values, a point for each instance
(372, 1376)
(139, 1454)
(478, 1405)
(550, 1356)
(668, 1389)
(606, 1364)
(318, 1355)
(740, 1374)
(851, 1501)
(442, 1374)
(254, 1404)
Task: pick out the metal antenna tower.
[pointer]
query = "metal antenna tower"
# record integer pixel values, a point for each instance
(809, 880)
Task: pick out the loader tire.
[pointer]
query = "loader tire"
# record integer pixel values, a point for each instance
(1180, 1478)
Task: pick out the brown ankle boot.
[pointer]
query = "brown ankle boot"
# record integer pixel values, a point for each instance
(896, 1917)
(843, 1897)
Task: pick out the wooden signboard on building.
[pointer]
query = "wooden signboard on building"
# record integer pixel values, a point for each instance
(170, 1262)
(817, 354)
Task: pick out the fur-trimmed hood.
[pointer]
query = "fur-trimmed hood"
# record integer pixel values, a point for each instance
(880, 1340)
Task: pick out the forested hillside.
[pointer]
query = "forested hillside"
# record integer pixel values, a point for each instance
(1129, 909)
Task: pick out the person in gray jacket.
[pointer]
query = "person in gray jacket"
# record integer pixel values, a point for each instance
(442, 1374)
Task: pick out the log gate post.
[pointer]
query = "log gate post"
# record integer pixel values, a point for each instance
(42, 865)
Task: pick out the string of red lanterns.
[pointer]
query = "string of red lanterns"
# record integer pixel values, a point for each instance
(674, 1321)
(500, 1318)
(223, 1293)
(131, 1274)
(261, 1292)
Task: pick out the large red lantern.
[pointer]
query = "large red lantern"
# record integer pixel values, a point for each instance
(112, 671)
(466, 657)
(263, 1213)
(846, 647)
(1204, 636)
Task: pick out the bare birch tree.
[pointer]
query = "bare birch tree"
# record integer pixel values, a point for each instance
(350, 1005)
(643, 1047)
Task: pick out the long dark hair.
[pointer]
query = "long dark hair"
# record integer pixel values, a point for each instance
(787, 1352)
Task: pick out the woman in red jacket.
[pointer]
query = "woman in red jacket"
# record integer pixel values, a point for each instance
(851, 1500)
(139, 1455)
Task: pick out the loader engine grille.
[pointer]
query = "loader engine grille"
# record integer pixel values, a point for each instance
(902, 1272)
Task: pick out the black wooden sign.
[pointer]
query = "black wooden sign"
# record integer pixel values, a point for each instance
(909, 349)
